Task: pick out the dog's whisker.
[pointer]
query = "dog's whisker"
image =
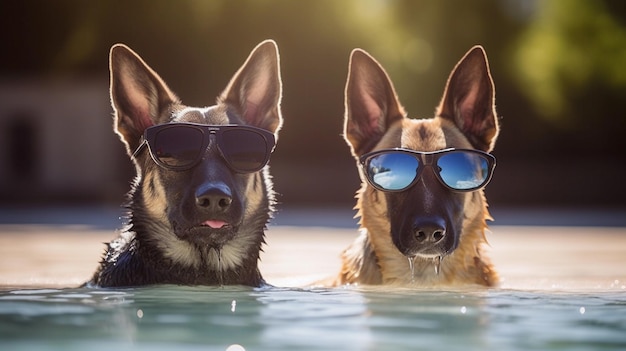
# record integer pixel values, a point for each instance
(437, 262)
(412, 268)
(220, 274)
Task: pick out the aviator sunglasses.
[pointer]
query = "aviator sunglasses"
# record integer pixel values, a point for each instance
(398, 169)
(181, 146)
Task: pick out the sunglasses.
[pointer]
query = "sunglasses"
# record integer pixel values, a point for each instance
(398, 169)
(181, 146)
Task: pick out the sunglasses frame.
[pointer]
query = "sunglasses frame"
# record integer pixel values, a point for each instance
(150, 134)
(426, 159)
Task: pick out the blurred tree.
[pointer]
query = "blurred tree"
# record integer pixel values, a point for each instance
(568, 50)
(557, 65)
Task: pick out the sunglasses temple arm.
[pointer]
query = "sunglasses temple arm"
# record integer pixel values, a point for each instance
(140, 147)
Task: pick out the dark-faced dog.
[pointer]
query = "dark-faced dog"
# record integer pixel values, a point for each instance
(421, 205)
(202, 196)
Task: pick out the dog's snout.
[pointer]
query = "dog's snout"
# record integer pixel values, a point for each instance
(429, 231)
(214, 197)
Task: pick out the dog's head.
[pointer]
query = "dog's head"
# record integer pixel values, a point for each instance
(210, 203)
(425, 219)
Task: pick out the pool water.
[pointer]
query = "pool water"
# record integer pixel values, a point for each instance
(349, 318)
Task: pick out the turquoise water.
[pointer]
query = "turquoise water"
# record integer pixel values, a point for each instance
(238, 318)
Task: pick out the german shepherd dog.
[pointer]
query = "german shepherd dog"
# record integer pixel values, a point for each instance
(203, 195)
(421, 205)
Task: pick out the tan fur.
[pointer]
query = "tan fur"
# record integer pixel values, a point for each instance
(373, 258)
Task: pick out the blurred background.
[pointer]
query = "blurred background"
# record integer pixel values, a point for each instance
(559, 69)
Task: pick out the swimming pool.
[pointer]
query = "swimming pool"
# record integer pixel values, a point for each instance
(349, 318)
(563, 288)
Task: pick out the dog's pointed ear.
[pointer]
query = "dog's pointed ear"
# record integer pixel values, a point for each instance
(255, 90)
(138, 95)
(371, 103)
(469, 100)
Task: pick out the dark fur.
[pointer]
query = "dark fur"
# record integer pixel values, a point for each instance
(394, 225)
(165, 242)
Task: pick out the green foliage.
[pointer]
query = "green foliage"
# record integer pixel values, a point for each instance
(564, 57)
(569, 47)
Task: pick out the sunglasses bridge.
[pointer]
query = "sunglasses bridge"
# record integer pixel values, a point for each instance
(428, 160)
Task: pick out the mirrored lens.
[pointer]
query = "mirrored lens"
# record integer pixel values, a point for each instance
(463, 170)
(178, 146)
(245, 150)
(392, 171)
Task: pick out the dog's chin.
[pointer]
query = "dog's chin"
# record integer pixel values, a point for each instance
(207, 235)
(428, 256)
(426, 253)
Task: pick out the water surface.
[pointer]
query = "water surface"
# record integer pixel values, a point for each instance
(352, 318)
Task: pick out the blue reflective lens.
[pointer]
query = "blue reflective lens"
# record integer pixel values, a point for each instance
(393, 171)
(463, 170)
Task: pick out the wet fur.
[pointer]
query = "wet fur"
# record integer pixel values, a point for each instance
(163, 243)
(375, 119)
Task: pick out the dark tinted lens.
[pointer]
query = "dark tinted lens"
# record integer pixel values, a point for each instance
(245, 150)
(392, 171)
(463, 170)
(178, 146)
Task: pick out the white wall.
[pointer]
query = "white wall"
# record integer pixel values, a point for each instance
(77, 153)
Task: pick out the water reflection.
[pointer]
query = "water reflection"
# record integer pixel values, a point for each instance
(406, 319)
(241, 318)
(320, 319)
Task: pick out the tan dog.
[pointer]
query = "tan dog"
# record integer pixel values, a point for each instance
(421, 205)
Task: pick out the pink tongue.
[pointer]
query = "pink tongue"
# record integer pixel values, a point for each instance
(214, 224)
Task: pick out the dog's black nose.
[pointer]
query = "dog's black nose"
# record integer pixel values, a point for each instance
(214, 197)
(429, 230)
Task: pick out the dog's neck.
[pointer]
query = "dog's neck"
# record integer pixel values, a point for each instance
(236, 262)
(394, 267)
